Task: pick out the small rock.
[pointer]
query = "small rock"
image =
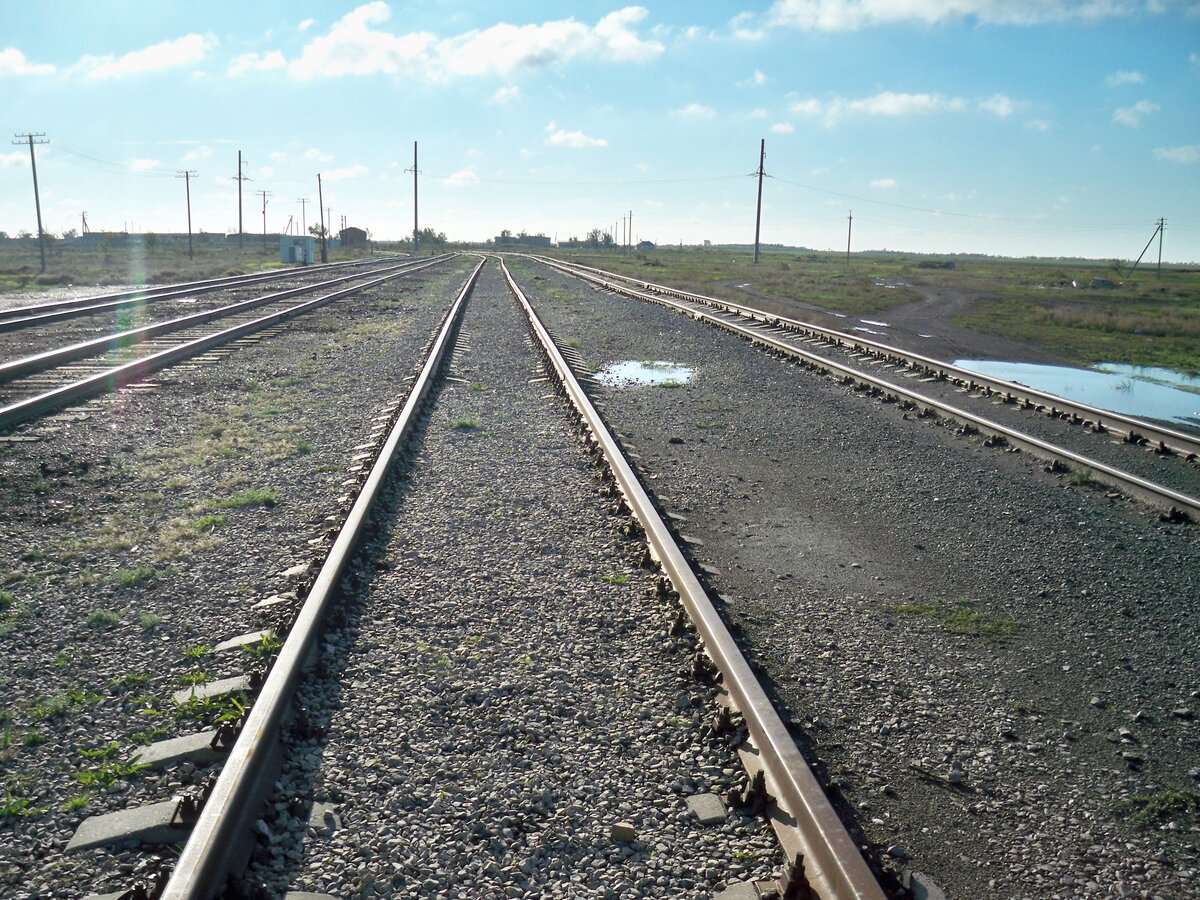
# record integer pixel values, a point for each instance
(1182, 712)
(623, 833)
(895, 851)
(1099, 702)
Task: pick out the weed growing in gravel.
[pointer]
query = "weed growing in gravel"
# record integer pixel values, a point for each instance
(149, 621)
(193, 678)
(132, 577)
(464, 424)
(127, 682)
(670, 385)
(212, 710)
(1173, 803)
(476, 387)
(103, 618)
(13, 618)
(196, 651)
(17, 806)
(104, 751)
(42, 487)
(65, 657)
(266, 646)
(146, 738)
(77, 802)
(1081, 475)
(110, 773)
(7, 599)
(62, 704)
(615, 579)
(209, 522)
(960, 617)
(33, 737)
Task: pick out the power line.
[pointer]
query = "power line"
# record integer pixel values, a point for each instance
(187, 175)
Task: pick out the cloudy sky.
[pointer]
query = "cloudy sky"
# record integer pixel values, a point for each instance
(1020, 127)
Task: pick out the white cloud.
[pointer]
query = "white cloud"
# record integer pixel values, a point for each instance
(347, 172)
(757, 114)
(184, 51)
(850, 15)
(760, 78)
(695, 111)
(144, 165)
(809, 107)
(278, 155)
(1116, 79)
(783, 128)
(892, 103)
(1039, 125)
(745, 27)
(884, 184)
(14, 159)
(198, 153)
(316, 155)
(257, 62)
(306, 24)
(575, 139)
(506, 94)
(1133, 115)
(462, 178)
(998, 105)
(1187, 155)
(13, 62)
(266, 171)
(353, 46)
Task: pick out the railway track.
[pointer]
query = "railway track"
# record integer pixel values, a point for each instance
(34, 385)
(775, 334)
(15, 318)
(1156, 437)
(218, 816)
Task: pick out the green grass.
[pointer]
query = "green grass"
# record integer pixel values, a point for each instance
(149, 621)
(103, 618)
(16, 806)
(62, 704)
(615, 579)
(265, 647)
(127, 682)
(464, 424)
(126, 578)
(209, 522)
(961, 617)
(108, 773)
(196, 651)
(1179, 804)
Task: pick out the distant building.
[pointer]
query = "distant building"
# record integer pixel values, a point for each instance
(525, 240)
(297, 249)
(353, 237)
(646, 245)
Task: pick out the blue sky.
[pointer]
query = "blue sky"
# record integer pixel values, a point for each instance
(1017, 127)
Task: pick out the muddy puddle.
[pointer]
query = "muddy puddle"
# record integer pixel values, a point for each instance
(633, 372)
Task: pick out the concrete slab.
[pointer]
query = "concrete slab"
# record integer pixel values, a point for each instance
(212, 689)
(922, 886)
(708, 808)
(744, 891)
(244, 640)
(274, 600)
(147, 824)
(323, 819)
(192, 748)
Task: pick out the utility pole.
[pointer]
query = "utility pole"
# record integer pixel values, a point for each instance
(321, 210)
(264, 195)
(762, 156)
(32, 138)
(303, 220)
(239, 178)
(415, 172)
(187, 175)
(1162, 226)
(849, 226)
(1158, 230)
(630, 231)
(86, 230)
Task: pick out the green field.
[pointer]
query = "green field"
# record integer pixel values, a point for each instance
(158, 261)
(1142, 320)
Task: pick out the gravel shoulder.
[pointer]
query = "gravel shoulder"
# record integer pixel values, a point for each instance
(142, 527)
(500, 690)
(989, 664)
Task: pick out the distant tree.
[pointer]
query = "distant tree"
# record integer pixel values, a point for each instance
(3, 235)
(505, 235)
(24, 233)
(607, 240)
(151, 241)
(318, 231)
(427, 237)
(594, 237)
(70, 233)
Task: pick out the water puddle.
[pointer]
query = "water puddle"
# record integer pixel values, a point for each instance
(886, 283)
(873, 322)
(746, 285)
(839, 315)
(865, 330)
(1132, 390)
(630, 372)
(924, 335)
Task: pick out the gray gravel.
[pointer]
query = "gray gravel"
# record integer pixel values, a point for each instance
(502, 692)
(877, 565)
(126, 481)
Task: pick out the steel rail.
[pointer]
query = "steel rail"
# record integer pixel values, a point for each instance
(103, 381)
(201, 869)
(16, 317)
(41, 361)
(830, 861)
(1186, 445)
(1156, 494)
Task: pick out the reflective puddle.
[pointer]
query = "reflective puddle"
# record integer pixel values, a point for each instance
(631, 372)
(875, 322)
(1144, 391)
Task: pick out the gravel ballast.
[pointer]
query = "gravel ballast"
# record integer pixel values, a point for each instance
(502, 712)
(991, 664)
(145, 524)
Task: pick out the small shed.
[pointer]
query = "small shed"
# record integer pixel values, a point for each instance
(296, 249)
(353, 237)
